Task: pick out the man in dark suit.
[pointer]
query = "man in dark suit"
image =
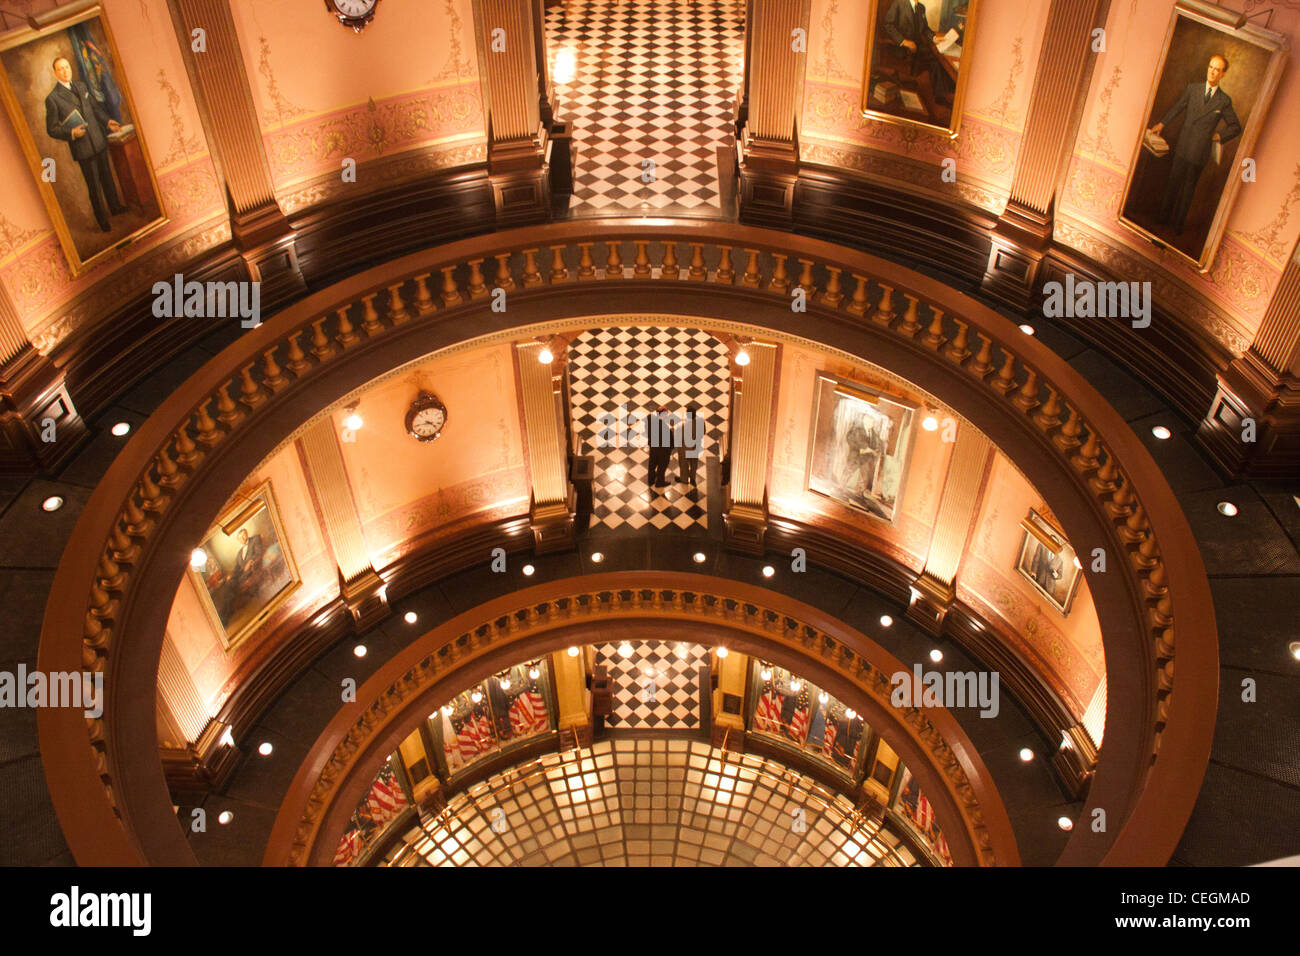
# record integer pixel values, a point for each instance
(906, 25)
(88, 141)
(659, 436)
(1203, 105)
(248, 564)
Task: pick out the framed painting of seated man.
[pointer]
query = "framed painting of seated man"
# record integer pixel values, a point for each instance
(917, 61)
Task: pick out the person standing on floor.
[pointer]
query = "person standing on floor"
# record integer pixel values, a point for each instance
(687, 441)
(659, 437)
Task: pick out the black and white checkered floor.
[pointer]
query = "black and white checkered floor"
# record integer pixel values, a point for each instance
(618, 372)
(656, 686)
(651, 98)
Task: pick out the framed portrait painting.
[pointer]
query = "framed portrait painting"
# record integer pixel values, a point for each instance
(248, 569)
(1048, 562)
(918, 61)
(861, 442)
(1203, 114)
(68, 99)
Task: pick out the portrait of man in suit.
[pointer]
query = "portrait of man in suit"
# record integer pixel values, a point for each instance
(907, 25)
(87, 140)
(915, 55)
(1208, 118)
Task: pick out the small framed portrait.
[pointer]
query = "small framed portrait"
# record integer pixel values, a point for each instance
(861, 442)
(1048, 562)
(1206, 107)
(67, 97)
(918, 61)
(247, 570)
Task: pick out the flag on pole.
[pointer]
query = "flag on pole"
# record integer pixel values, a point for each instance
(767, 716)
(800, 719)
(528, 714)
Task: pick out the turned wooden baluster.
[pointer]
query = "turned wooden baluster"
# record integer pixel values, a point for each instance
(752, 276)
(137, 522)
(169, 476)
(885, 314)
(780, 281)
(613, 260)
(1048, 415)
(1121, 502)
(726, 273)
(347, 336)
(1135, 527)
(423, 297)
(227, 412)
(370, 323)
(909, 326)
(586, 265)
(249, 391)
(698, 271)
(559, 271)
(273, 376)
(206, 428)
(806, 279)
(397, 311)
(859, 303)
(298, 362)
(504, 280)
(450, 291)
(642, 267)
(934, 337)
(111, 577)
(983, 361)
(1104, 481)
(670, 269)
(320, 345)
(187, 453)
(477, 287)
(1089, 455)
(1067, 439)
(151, 496)
(120, 546)
(1026, 396)
(958, 349)
(834, 293)
(532, 275)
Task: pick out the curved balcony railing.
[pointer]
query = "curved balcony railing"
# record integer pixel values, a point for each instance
(129, 545)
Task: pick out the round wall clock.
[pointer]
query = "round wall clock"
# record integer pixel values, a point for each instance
(426, 417)
(353, 13)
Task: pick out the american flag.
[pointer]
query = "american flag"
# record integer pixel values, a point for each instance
(767, 716)
(349, 847)
(386, 798)
(528, 713)
(828, 742)
(924, 813)
(941, 847)
(474, 736)
(799, 720)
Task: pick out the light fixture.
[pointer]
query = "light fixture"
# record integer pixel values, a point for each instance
(573, 651)
(1027, 329)
(936, 655)
(52, 503)
(886, 620)
(850, 713)
(742, 358)
(545, 356)
(1065, 823)
(534, 672)
(1294, 648)
(566, 66)
(765, 674)
(1161, 432)
(505, 683)
(476, 696)
(597, 557)
(1077, 563)
(930, 423)
(699, 557)
(121, 428)
(446, 709)
(625, 649)
(1227, 508)
(265, 748)
(224, 817)
(823, 697)
(353, 422)
(359, 650)
(227, 738)
(1026, 754)
(528, 570)
(198, 559)
(723, 652)
(768, 570)
(410, 617)
(796, 685)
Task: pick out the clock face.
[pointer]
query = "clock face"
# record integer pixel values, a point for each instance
(428, 423)
(354, 8)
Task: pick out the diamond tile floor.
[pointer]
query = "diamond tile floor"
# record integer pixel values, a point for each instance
(656, 687)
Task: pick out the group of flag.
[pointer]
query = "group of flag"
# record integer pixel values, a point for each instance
(470, 736)
(384, 802)
(767, 717)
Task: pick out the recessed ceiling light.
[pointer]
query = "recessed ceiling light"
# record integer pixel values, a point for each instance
(625, 649)
(723, 652)
(224, 817)
(886, 620)
(52, 503)
(359, 650)
(1065, 823)
(1077, 563)
(936, 655)
(198, 559)
(1294, 648)
(1227, 508)
(930, 423)
(1161, 432)
(353, 422)
(597, 557)
(265, 748)
(1026, 754)
(410, 617)
(1027, 329)
(528, 570)
(742, 358)
(121, 428)
(768, 570)
(573, 651)
(699, 557)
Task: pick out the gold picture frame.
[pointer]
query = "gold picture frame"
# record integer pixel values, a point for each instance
(244, 579)
(1048, 562)
(79, 191)
(924, 85)
(1163, 178)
